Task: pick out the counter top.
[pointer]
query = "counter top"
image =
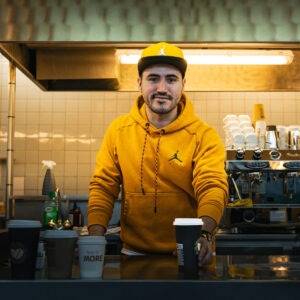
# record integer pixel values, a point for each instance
(157, 277)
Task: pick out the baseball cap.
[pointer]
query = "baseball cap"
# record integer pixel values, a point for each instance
(162, 53)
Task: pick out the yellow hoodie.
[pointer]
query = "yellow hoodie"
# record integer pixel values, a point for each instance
(166, 173)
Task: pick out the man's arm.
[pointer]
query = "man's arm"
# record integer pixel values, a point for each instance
(211, 189)
(105, 184)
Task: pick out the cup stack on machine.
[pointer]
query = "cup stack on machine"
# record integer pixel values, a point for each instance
(239, 133)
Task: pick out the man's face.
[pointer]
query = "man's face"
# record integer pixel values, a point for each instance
(162, 87)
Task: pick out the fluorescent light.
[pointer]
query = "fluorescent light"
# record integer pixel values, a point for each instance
(129, 59)
(222, 57)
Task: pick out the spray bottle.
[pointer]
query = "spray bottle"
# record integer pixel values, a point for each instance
(49, 184)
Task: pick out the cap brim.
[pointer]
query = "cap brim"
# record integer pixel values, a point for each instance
(148, 61)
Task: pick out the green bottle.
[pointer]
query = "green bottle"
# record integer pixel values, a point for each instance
(50, 210)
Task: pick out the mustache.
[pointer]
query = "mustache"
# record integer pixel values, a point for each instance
(161, 95)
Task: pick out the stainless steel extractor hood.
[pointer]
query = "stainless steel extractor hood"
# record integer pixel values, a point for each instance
(66, 68)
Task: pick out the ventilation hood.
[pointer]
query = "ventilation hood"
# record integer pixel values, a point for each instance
(65, 68)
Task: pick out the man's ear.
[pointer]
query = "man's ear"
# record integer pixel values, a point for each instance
(139, 81)
(183, 83)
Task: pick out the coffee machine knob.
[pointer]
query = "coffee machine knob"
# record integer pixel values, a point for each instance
(257, 154)
(240, 154)
(249, 215)
(275, 154)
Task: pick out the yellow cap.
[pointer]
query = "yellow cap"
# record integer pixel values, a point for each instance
(162, 49)
(162, 53)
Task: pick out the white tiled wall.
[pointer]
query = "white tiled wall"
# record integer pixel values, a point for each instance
(67, 127)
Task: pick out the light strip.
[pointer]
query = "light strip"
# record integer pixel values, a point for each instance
(223, 57)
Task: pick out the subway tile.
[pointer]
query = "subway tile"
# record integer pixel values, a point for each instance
(31, 182)
(58, 156)
(70, 169)
(225, 106)
(46, 105)
(71, 156)
(84, 105)
(44, 155)
(45, 131)
(19, 156)
(59, 169)
(20, 118)
(238, 105)
(33, 105)
(19, 169)
(20, 105)
(289, 106)
(30, 192)
(32, 131)
(46, 118)
(83, 183)
(32, 156)
(59, 105)
(84, 118)
(70, 182)
(84, 170)
(71, 143)
(19, 144)
(32, 170)
(71, 130)
(84, 156)
(32, 118)
(45, 143)
(123, 106)
(71, 118)
(84, 144)
(213, 105)
(59, 118)
(71, 105)
(290, 118)
(277, 105)
(58, 144)
(32, 143)
(110, 105)
(275, 118)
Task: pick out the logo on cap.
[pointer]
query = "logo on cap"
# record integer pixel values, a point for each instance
(162, 51)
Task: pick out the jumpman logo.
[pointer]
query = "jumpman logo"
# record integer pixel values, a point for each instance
(162, 51)
(175, 156)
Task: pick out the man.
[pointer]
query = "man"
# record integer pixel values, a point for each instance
(169, 162)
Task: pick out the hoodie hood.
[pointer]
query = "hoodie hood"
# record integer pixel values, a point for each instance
(186, 117)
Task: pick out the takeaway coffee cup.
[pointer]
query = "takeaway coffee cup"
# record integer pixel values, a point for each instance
(188, 231)
(23, 238)
(91, 256)
(60, 246)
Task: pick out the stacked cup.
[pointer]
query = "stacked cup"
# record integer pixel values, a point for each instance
(239, 132)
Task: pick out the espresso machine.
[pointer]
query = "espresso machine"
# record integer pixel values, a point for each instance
(264, 199)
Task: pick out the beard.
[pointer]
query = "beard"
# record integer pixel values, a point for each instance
(161, 104)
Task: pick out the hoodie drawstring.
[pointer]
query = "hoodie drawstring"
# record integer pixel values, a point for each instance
(156, 165)
(156, 170)
(142, 160)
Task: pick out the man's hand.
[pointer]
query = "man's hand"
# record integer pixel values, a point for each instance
(96, 230)
(206, 253)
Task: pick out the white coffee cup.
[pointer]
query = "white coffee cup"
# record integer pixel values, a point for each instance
(230, 118)
(91, 255)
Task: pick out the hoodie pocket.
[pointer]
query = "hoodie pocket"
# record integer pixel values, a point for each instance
(144, 227)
